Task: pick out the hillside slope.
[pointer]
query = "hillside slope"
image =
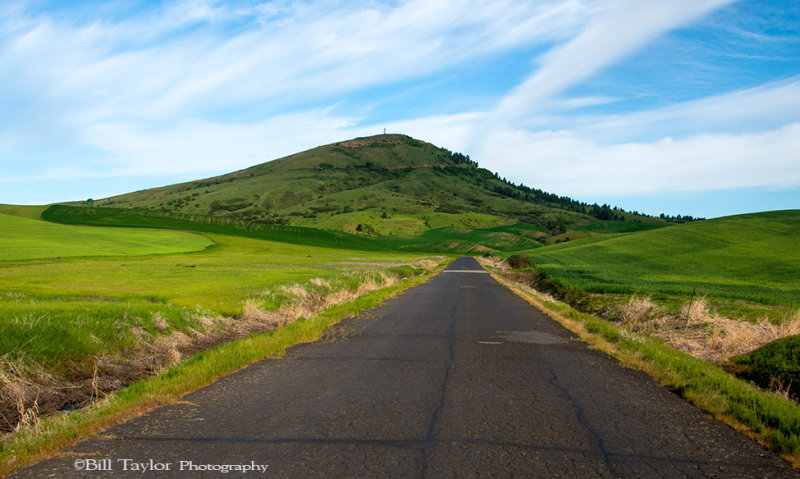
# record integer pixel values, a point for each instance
(382, 185)
(753, 256)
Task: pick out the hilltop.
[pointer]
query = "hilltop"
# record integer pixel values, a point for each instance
(385, 185)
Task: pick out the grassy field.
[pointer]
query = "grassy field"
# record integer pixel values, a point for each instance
(714, 289)
(23, 211)
(121, 217)
(56, 432)
(63, 310)
(508, 237)
(505, 236)
(752, 257)
(23, 238)
(85, 310)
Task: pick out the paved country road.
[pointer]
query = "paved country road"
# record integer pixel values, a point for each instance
(455, 378)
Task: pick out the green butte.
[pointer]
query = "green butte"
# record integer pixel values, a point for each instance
(386, 185)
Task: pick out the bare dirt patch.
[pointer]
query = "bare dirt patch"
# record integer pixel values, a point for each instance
(374, 140)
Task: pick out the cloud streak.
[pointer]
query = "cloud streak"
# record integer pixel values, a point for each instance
(310, 52)
(619, 30)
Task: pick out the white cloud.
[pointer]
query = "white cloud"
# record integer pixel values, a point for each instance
(198, 147)
(741, 139)
(765, 107)
(624, 27)
(566, 163)
(152, 85)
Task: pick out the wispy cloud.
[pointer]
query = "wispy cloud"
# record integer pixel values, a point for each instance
(761, 108)
(620, 29)
(151, 65)
(201, 87)
(150, 77)
(741, 139)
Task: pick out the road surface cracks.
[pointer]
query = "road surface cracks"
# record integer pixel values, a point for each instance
(455, 378)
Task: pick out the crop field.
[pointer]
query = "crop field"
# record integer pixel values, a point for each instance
(62, 312)
(24, 238)
(748, 257)
(449, 240)
(90, 312)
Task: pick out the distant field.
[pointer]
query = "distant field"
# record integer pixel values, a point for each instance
(207, 224)
(59, 312)
(752, 257)
(30, 212)
(509, 237)
(402, 224)
(23, 238)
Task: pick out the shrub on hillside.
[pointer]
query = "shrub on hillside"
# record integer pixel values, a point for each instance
(519, 261)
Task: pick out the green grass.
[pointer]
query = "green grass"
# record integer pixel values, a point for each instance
(62, 312)
(57, 432)
(30, 212)
(23, 238)
(384, 223)
(510, 237)
(752, 257)
(121, 217)
(774, 365)
(507, 237)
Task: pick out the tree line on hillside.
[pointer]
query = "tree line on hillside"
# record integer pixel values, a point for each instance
(460, 158)
(537, 196)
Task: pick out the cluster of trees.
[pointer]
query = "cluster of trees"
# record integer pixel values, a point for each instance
(460, 158)
(678, 218)
(537, 196)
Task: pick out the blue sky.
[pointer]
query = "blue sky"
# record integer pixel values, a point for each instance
(683, 106)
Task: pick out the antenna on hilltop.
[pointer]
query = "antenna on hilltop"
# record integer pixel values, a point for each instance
(384, 131)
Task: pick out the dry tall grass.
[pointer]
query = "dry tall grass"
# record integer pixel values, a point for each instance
(490, 262)
(699, 331)
(306, 302)
(637, 313)
(21, 387)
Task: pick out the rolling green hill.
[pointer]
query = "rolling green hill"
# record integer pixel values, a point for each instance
(387, 185)
(24, 238)
(754, 257)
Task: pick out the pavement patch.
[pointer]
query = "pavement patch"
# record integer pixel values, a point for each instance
(532, 337)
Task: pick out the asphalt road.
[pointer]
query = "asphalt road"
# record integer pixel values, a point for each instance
(455, 378)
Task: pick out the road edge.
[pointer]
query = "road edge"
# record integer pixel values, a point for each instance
(701, 383)
(55, 433)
